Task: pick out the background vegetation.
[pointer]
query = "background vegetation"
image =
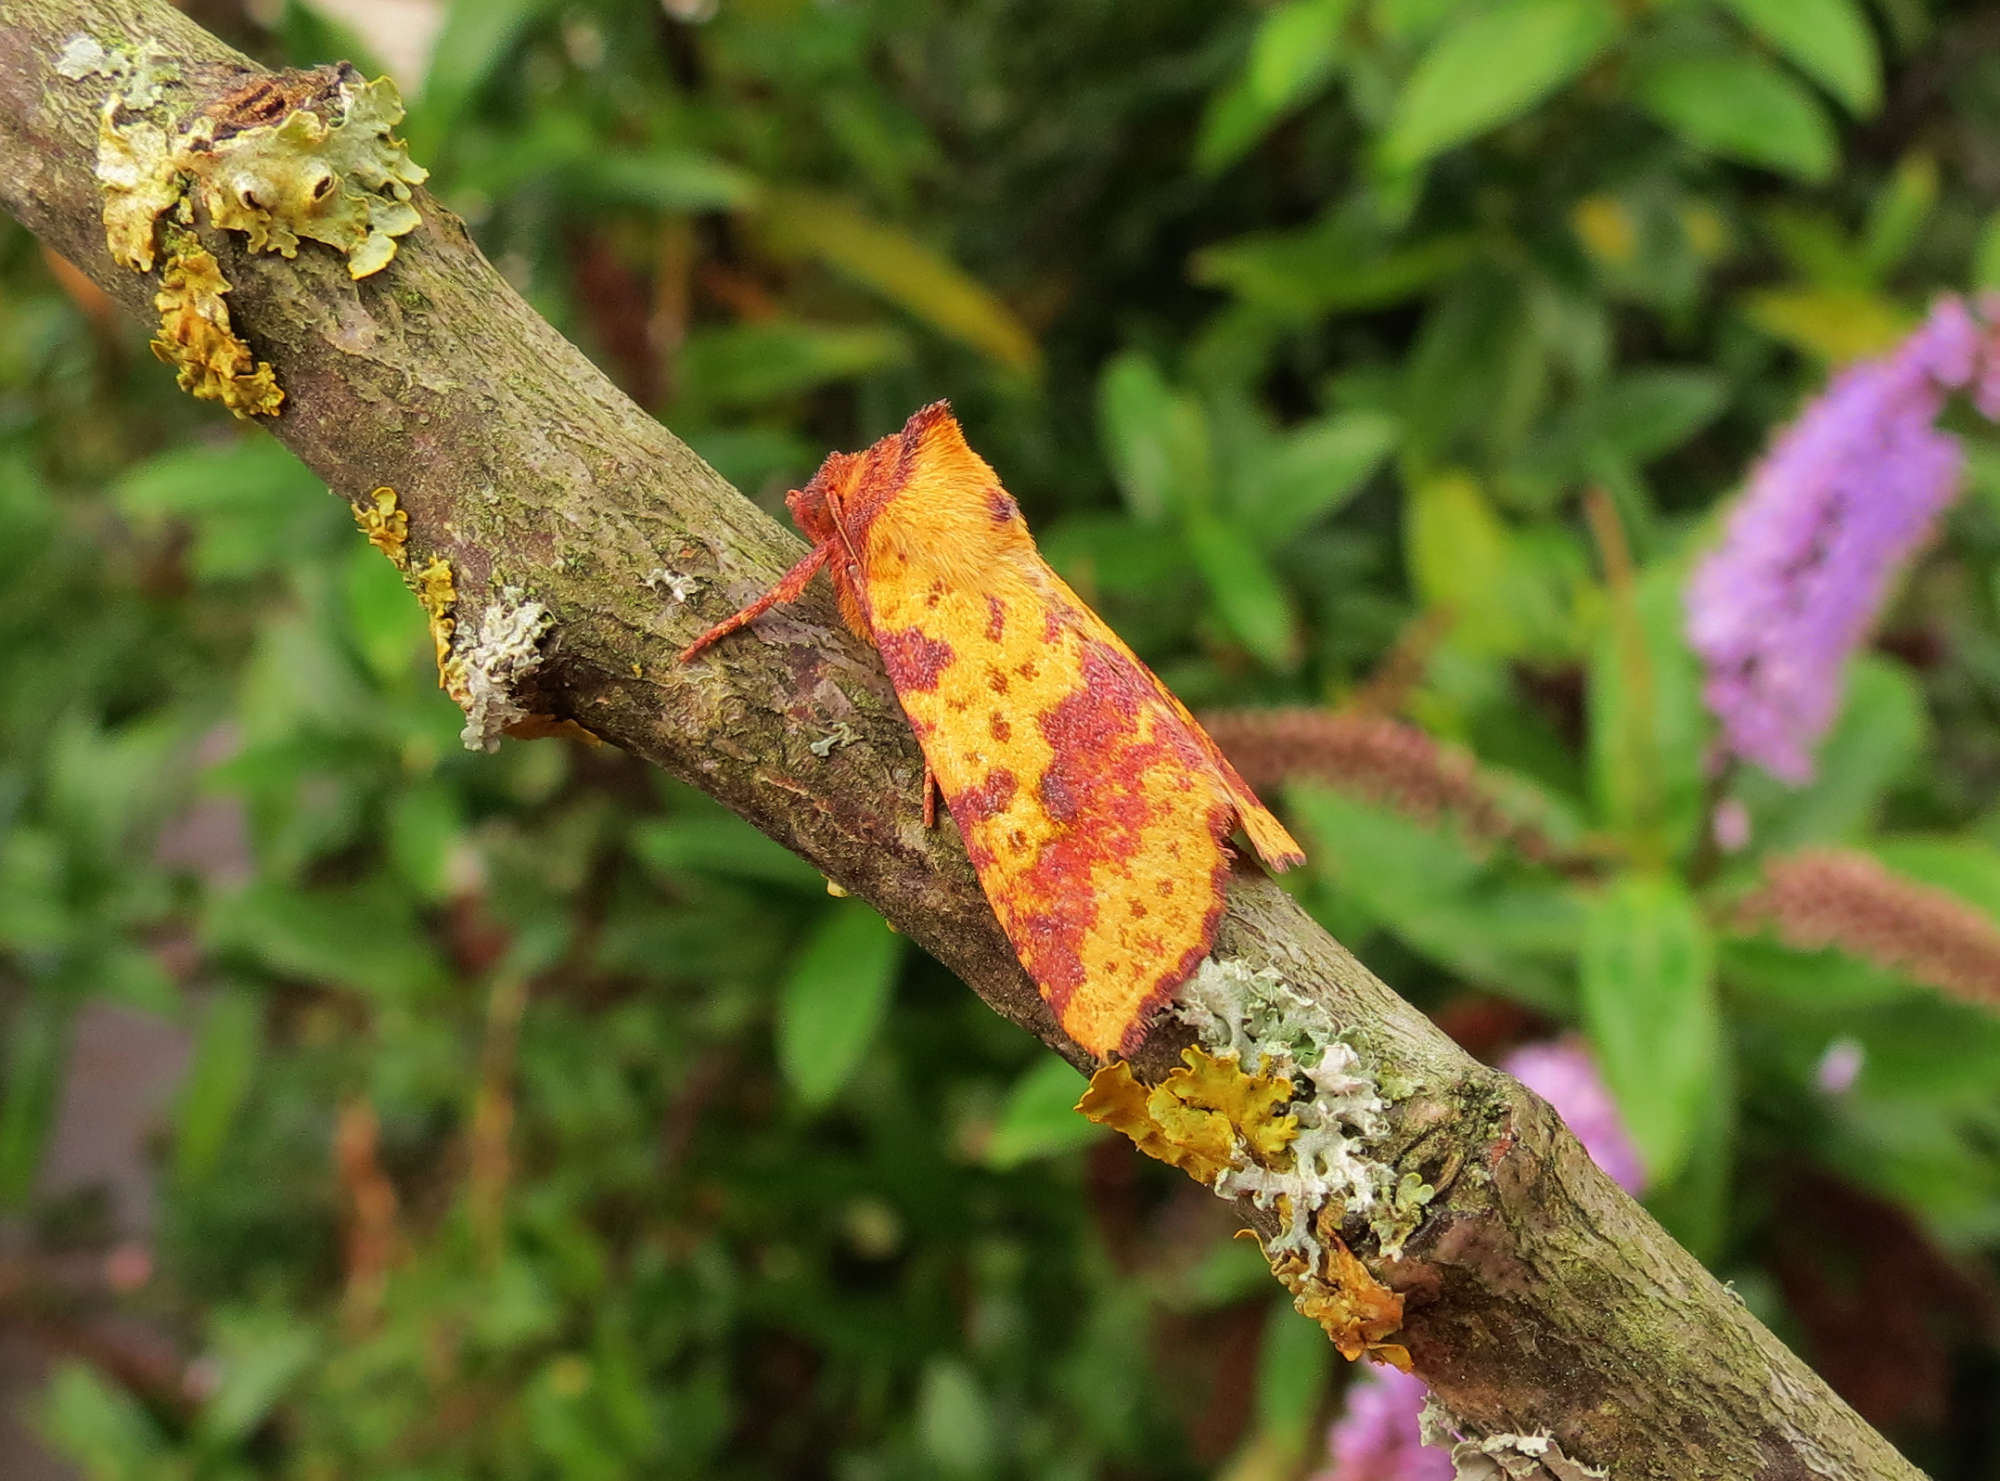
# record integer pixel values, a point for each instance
(542, 1121)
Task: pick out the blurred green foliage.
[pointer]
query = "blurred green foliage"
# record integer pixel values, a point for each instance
(545, 1122)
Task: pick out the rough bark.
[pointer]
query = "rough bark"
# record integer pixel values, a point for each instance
(1540, 1297)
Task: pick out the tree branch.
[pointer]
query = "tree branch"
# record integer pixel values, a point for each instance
(1539, 1296)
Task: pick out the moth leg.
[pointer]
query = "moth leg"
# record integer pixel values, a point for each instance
(789, 588)
(930, 796)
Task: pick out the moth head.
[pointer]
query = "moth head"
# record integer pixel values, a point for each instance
(834, 486)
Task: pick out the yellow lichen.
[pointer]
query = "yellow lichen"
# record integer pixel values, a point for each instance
(387, 526)
(329, 169)
(1354, 1308)
(135, 164)
(548, 727)
(195, 335)
(439, 596)
(137, 174)
(1204, 1118)
(344, 182)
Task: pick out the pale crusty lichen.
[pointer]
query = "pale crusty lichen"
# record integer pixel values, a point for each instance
(387, 525)
(842, 734)
(676, 585)
(344, 180)
(137, 74)
(484, 674)
(1504, 1457)
(196, 337)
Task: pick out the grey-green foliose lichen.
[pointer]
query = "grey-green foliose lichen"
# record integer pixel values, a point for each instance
(300, 155)
(332, 171)
(483, 674)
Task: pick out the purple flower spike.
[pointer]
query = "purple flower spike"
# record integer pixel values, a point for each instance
(1834, 512)
(1561, 1072)
(1377, 1438)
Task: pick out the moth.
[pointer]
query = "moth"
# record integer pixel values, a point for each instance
(1096, 811)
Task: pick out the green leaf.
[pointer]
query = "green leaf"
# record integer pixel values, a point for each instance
(834, 1000)
(1039, 1118)
(662, 179)
(35, 1051)
(35, 913)
(1834, 325)
(1651, 412)
(1804, 982)
(723, 844)
(1696, 1205)
(742, 365)
(1648, 995)
(478, 35)
(384, 620)
(1457, 548)
(1293, 55)
(955, 1423)
(1493, 67)
(1155, 439)
(1478, 370)
(104, 1430)
(1878, 741)
(1252, 603)
(1647, 724)
(1441, 899)
(261, 1355)
(1965, 867)
(1741, 107)
(1828, 40)
(1294, 1367)
(218, 1082)
(1310, 473)
(1305, 274)
(902, 269)
(426, 825)
(252, 505)
(1986, 255)
(1899, 213)
(364, 938)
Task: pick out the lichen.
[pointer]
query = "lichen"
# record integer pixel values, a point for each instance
(483, 675)
(345, 181)
(137, 74)
(1503, 1457)
(438, 593)
(387, 525)
(136, 174)
(673, 583)
(196, 336)
(1272, 1107)
(135, 164)
(1356, 1311)
(1207, 1117)
(330, 168)
(1256, 1017)
(1396, 1216)
(842, 734)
